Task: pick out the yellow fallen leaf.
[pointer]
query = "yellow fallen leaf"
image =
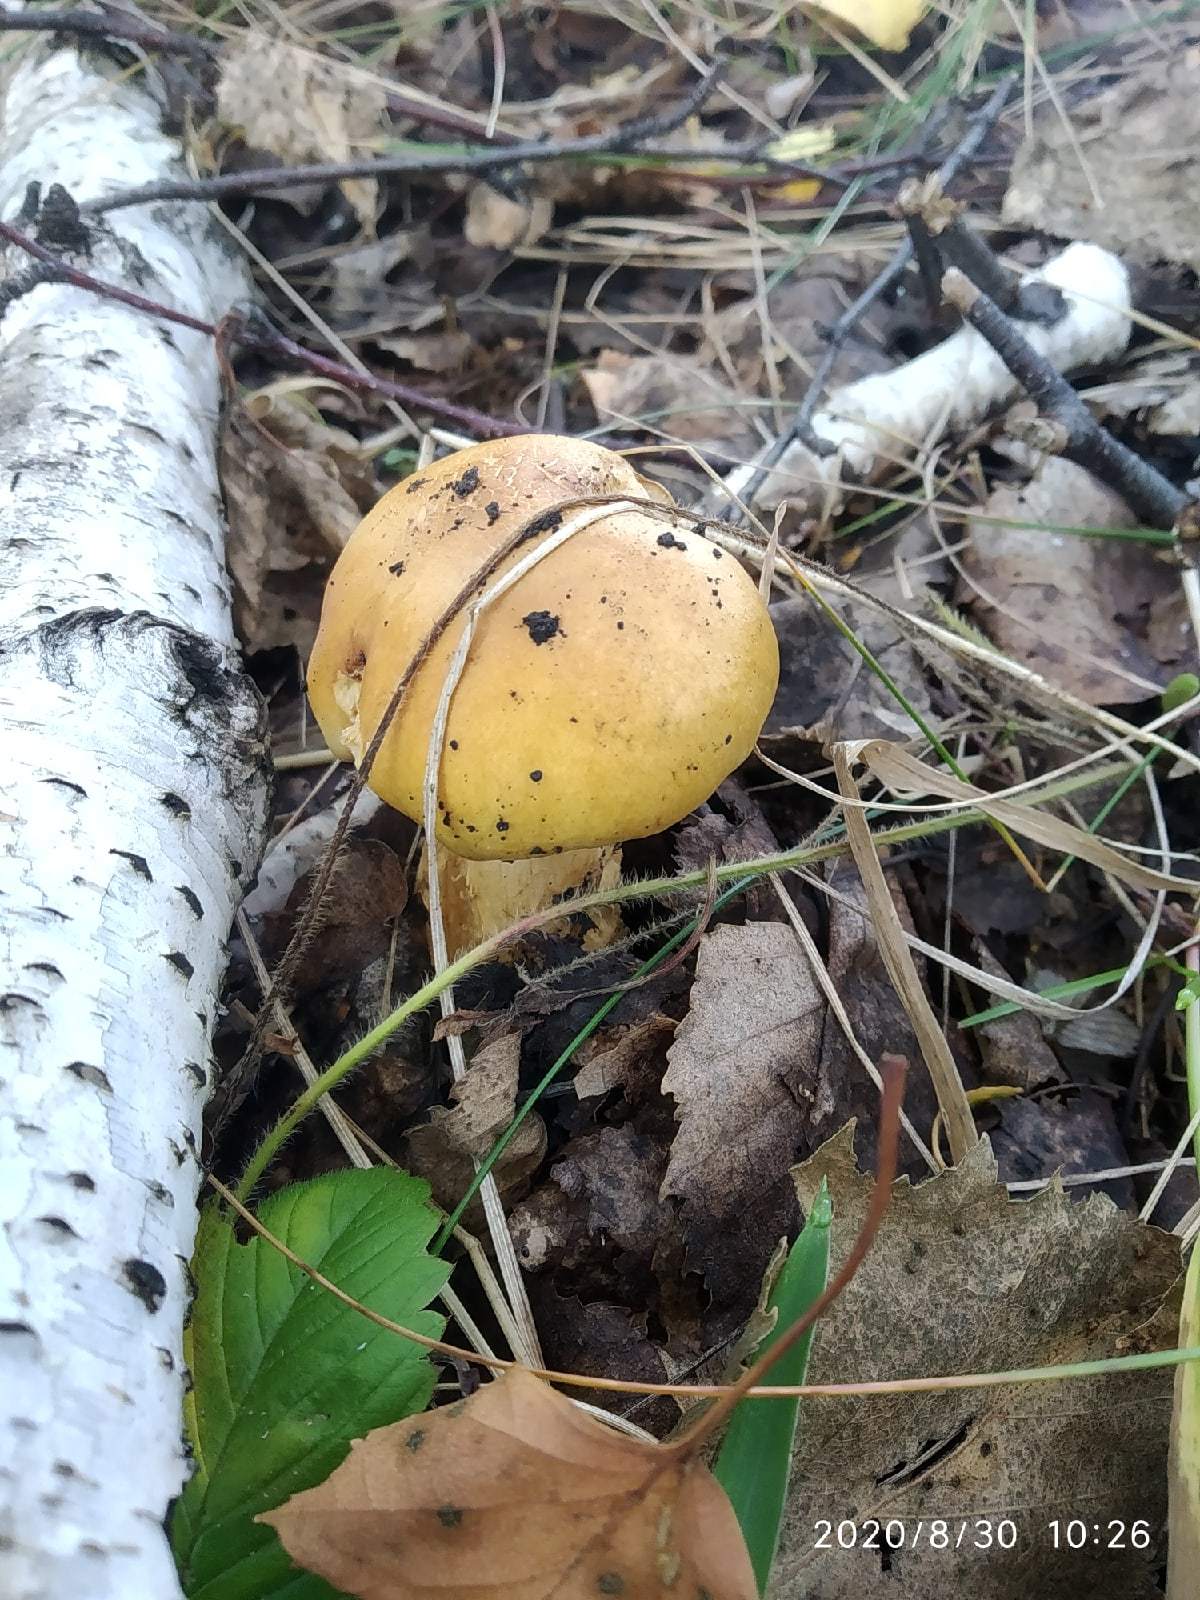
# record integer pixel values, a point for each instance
(797, 190)
(886, 23)
(516, 1494)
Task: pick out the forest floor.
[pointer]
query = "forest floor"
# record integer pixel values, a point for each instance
(670, 290)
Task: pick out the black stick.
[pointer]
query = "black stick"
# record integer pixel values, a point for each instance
(1150, 496)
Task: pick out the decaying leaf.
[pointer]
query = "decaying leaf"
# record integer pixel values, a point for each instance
(303, 107)
(630, 1055)
(963, 1279)
(1101, 618)
(742, 1069)
(367, 893)
(516, 1494)
(445, 1148)
(842, 1088)
(295, 490)
(677, 394)
(1114, 172)
(1013, 1049)
(826, 690)
(886, 23)
(360, 287)
(602, 1197)
(497, 222)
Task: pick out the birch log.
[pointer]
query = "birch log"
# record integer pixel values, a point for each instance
(133, 788)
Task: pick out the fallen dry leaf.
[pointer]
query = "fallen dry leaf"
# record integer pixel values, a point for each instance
(303, 107)
(1101, 618)
(601, 1199)
(963, 1279)
(742, 1070)
(1013, 1049)
(445, 1148)
(494, 221)
(624, 1055)
(366, 895)
(360, 287)
(842, 1088)
(1126, 145)
(676, 393)
(444, 351)
(826, 691)
(516, 1494)
(295, 490)
(1069, 1133)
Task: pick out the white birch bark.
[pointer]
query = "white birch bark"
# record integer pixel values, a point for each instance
(132, 807)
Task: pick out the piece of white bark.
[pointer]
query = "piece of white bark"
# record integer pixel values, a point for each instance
(132, 809)
(893, 415)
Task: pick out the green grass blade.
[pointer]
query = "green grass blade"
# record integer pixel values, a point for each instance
(755, 1459)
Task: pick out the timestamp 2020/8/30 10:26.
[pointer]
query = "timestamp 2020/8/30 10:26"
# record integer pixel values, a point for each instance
(978, 1533)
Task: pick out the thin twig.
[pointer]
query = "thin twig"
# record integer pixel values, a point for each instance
(252, 330)
(117, 26)
(482, 158)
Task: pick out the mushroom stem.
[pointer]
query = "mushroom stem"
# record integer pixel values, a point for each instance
(479, 898)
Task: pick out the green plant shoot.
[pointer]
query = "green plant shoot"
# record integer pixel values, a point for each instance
(755, 1460)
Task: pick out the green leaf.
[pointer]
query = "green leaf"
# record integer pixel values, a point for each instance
(755, 1458)
(285, 1375)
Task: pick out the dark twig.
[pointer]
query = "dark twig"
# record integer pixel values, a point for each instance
(482, 158)
(937, 225)
(18, 284)
(253, 331)
(105, 25)
(1079, 436)
(66, 273)
(979, 127)
(928, 258)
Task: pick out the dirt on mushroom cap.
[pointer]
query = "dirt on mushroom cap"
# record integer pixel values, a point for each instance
(631, 674)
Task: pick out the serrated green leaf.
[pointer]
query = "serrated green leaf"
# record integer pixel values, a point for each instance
(755, 1459)
(285, 1375)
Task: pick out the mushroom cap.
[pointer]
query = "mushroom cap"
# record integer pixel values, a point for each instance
(604, 696)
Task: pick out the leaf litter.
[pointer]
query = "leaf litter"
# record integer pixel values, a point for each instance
(685, 1113)
(964, 1279)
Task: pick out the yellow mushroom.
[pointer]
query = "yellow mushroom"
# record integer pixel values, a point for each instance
(603, 697)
